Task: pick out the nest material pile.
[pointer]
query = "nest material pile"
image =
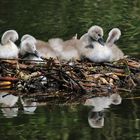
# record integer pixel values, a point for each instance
(68, 80)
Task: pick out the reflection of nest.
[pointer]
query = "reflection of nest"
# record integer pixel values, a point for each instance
(71, 78)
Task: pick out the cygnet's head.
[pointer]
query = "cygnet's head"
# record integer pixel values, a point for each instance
(10, 35)
(96, 33)
(27, 36)
(28, 46)
(113, 35)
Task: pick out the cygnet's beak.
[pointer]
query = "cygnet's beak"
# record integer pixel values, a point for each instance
(101, 41)
(36, 53)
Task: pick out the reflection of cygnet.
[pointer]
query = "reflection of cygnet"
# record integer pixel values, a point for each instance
(96, 115)
(100, 103)
(96, 119)
(28, 106)
(8, 102)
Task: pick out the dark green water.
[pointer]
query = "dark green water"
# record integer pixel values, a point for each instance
(64, 18)
(45, 19)
(121, 122)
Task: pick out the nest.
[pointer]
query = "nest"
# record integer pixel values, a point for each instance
(68, 81)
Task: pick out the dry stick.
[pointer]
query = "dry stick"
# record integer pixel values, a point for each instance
(69, 78)
(12, 91)
(54, 77)
(133, 98)
(108, 64)
(74, 81)
(50, 74)
(18, 59)
(112, 65)
(121, 67)
(8, 79)
(7, 70)
(124, 89)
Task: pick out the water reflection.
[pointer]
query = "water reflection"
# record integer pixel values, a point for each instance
(61, 18)
(8, 102)
(97, 113)
(29, 106)
(10, 105)
(66, 122)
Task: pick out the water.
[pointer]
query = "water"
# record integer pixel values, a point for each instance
(121, 121)
(47, 19)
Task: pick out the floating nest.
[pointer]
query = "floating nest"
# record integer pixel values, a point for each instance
(67, 81)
